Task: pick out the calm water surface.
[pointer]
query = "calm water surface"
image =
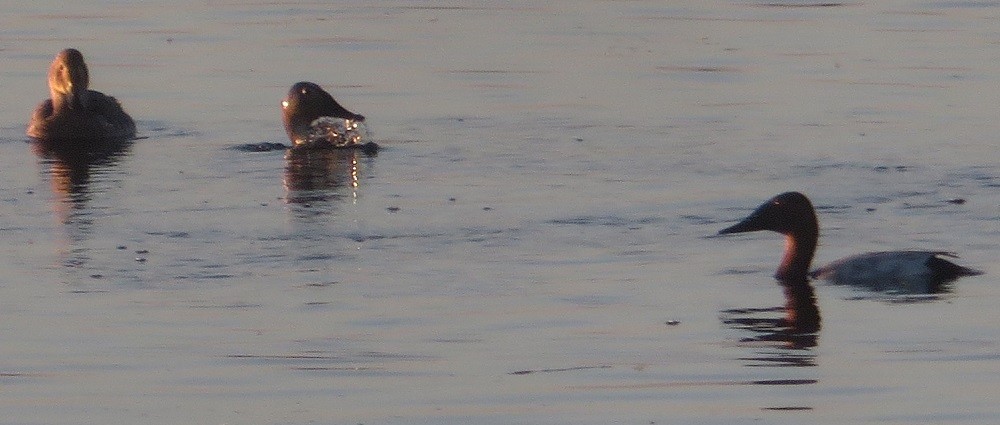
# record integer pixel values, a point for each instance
(533, 243)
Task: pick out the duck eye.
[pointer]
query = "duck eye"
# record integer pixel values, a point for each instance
(305, 91)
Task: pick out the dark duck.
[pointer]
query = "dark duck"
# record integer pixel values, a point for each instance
(75, 116)
(793, 215)
(313, 119)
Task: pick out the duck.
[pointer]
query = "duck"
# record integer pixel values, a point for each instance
(75, 116)
(313, 119)
(792, 214)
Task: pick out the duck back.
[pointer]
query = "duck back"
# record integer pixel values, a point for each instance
(101, 119)
(912, 272)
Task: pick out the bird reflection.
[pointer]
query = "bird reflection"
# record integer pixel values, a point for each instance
(71, 169)
(787, 338)
(318, 175)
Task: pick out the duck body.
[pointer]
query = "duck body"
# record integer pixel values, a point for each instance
(74, 115)
(313, 119)
(911, 272)
(793, 215)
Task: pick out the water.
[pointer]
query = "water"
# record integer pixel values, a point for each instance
(540, 211)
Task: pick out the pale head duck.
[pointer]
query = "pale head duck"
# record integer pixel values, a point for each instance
(314, 119)
(792, 215)
(75, 116)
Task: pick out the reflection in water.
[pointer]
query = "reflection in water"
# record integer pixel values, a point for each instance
(785, 340)
(316, 175)
(795, 330)
(72, 170)
(316, 181)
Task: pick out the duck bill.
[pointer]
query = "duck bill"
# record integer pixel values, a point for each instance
(77, 81)
(752, 223)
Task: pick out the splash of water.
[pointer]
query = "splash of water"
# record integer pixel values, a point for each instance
(336, 132)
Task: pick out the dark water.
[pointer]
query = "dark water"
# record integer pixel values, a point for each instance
(531, 245)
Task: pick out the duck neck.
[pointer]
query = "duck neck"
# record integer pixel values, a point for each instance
(799, 250)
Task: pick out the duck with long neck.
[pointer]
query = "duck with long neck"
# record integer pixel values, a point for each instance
(793, 215)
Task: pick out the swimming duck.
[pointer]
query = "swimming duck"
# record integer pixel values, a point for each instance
(313, 119)
(793, 215)
(74, 115)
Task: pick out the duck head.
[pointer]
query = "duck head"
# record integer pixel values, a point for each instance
(68, 79)
(304, 104)
(792, 215)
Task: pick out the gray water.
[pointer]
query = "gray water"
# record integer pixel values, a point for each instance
(532, 245)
